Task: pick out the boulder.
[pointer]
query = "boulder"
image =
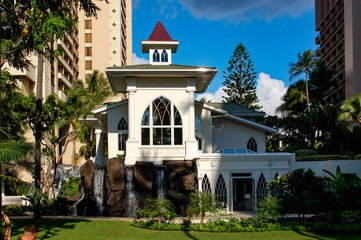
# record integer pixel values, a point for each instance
(115, 173)
(87, 175)
(144, 175)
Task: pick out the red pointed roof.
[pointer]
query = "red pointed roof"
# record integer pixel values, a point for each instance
(159, 33)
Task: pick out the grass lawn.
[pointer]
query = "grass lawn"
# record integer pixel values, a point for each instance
(104, 229)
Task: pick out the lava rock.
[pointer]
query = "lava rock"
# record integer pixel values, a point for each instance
(115, 174)
(144, 175)
(87, 175)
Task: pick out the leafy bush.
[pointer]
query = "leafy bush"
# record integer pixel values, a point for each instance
(270, 207)
(322, 158)
(305, 152)
(16, 210)
(358, 157)
(70, 187)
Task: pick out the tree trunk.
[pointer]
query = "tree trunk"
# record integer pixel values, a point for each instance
(159, 219)
(202, 219)
(38, 128)
(308, 97)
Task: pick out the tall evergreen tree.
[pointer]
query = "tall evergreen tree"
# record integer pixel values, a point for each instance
(240, 79)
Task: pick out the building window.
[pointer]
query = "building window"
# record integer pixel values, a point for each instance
(164, 56)
(261, 189)
(88, 51)
(221, 191)
(123, 134)
(206, 186)
(162, 124)
(252, 145)
(88, 24)
(88, 65)
(156, 56)
(198, 132)
(88, 37)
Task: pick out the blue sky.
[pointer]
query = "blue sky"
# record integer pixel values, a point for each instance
(273, 31)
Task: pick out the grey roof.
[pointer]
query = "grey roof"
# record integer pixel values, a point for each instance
(150, 66)
(236, 109)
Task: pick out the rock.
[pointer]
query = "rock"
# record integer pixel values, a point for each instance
(87, 175)
(144, 175)
(189, 182)
(115, 173)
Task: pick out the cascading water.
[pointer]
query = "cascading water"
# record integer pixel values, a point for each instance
(132, 202)
(74, 211)
(99, 190)
(159, 182)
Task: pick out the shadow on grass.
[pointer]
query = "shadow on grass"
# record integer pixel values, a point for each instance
(190, 236)
(325, 236)
(47, 227)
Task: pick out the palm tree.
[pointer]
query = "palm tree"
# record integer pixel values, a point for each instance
(294, 101)
(98, 91)
(159, 207)
(351, 109)
(201, 203)
(305, 64)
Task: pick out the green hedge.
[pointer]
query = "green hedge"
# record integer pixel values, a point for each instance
(358, 157)
(256, 224)
(322, 158)
(305, 152)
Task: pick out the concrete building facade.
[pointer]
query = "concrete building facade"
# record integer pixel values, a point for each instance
(338, 23)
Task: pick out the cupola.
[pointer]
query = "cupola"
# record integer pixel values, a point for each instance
(160, 46)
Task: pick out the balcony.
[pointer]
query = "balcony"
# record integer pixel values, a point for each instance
(76, 39)
(61, 95)
(162, 151)
(27, 73)
(76, 53)
(64, 79)
(65, 48)
(66, 65)
(69, 38)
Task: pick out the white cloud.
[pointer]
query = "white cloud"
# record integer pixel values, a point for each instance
(243, 10)
(213, 97)
(138, 60)
(270, 92)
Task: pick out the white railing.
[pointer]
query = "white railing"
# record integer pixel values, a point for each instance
(162, 151)
(15, 200)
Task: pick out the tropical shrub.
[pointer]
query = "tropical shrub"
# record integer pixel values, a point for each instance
(305, 152)
(159, 207)
(358, 157)
(322, 158)
(70, 187)
(270, 207)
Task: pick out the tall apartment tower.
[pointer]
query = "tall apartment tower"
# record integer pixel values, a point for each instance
(339, 26)
(107, 39)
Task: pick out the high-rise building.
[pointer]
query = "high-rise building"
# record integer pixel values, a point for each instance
(96, 43)
(106, 40)
(339, 26)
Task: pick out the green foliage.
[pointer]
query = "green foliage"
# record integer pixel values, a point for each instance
(351, 110)
(299, 191)
(270, 207)
(240, 79)
(201, 202)
(305, 152)
(159, 207)
(16, 210)
(70, 187)
(322, 158)
(358, 157)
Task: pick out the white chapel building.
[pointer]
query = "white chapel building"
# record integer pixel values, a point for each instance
(162, 121)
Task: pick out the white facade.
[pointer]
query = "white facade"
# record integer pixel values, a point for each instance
(161, 121)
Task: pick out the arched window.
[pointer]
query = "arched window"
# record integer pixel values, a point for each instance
(206, 186)
(261, 188)
(122, 134)
(198, 132)
(162, 124)
(275, 192)
(221, 190)
(156, 56)
(252, 144)
(164, 56)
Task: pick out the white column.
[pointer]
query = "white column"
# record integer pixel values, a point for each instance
(132, 149)
(191, 142)
(99, 146)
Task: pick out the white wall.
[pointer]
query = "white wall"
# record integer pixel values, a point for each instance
(114, 116)
(204, 116)
(230, 134)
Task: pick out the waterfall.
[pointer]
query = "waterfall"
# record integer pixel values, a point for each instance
(74, 211)
(99, 190)
(132, 202)
(159, 182)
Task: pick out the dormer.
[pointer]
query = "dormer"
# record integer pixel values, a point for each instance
(160, 46)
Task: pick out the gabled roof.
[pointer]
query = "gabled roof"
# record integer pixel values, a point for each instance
(160, 39)
(160, 33)
(237, 109)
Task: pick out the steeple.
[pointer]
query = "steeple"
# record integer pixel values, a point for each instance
(160, 46)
